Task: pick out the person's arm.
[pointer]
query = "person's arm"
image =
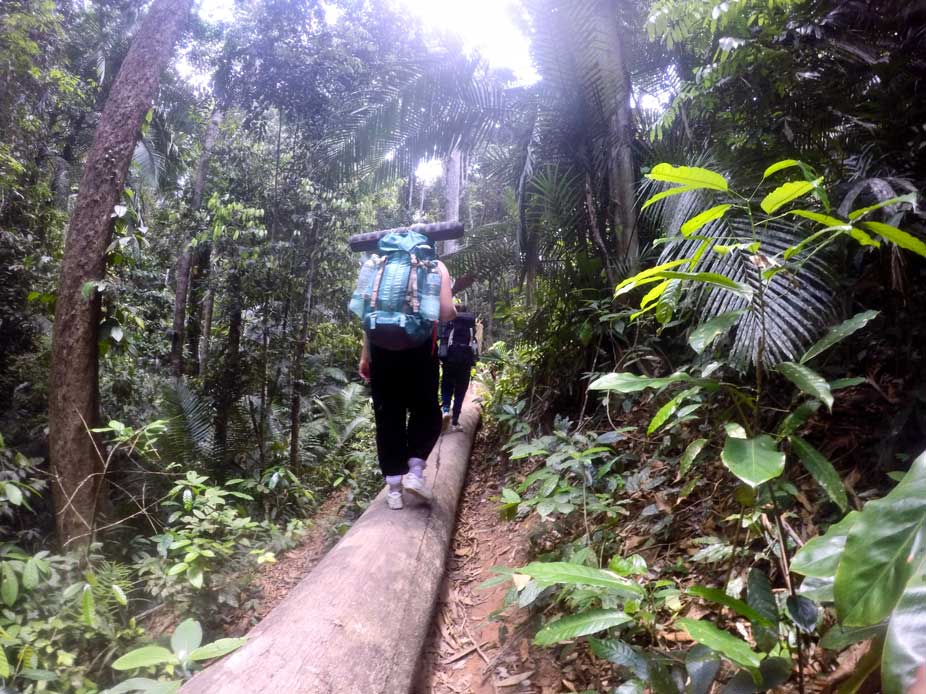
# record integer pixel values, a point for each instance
(364, 368)
(447, 310)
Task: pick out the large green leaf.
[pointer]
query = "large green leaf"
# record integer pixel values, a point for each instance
(883, 549)
(582, 624)
(834, 222)
(840, 637)
(738, 606)
(820, 556)
(4, 664)
(699, 220)
(621, 653)
(625, 382)
(665, 194)
(692, 176)
(702, 336)
(710, 279)
(861, 212)
(145, 657)
(897, 236)
(9, 584)
(145, 685)
(663, 413)
(217, 648)
(702, 665)
(822, 471)
(691, 453)
(731, 647)
(754, 461)
(779, 165)
(808, 380)
(760, 597)
(30, 574)
(838, 333)
(651, 274)
(550, 573)
(186, 638)
(795, 420)
(905, 644)
(786, 193)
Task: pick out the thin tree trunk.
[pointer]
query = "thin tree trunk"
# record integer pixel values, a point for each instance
(227, 388)
(489, 336)
(77, 461)
(621, 175)
(185, 261)
(592, 211)
(295, 405)
(453, 172)
(206, 329)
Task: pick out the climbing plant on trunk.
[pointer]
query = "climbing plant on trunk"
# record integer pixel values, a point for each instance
(77, 459)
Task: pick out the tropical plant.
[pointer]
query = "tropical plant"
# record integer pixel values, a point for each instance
(186, 652)
(774, 287)
(871, 566)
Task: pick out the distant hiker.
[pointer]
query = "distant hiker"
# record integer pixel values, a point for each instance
(458, 353)
(401, 295)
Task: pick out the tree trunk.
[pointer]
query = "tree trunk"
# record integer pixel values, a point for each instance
(621, 176)
(206, 329)
(489, 334)
(228, 385)
(185, 262)
(295, 405)
(453, 172)
(592, 211)
(77, 462)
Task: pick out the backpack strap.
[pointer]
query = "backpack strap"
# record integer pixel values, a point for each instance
(411, 290)
(378, 281)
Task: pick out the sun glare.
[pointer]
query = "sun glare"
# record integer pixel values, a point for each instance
(428, 171)
(486, 26)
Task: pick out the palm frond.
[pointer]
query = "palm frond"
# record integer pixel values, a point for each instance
(785, 313)
(189, 438)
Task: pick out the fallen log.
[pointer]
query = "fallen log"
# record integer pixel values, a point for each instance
(357, 623)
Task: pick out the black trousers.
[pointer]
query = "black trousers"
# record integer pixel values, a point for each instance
(453, 385)
(408, 420)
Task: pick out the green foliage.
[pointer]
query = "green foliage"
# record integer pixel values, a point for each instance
(874, 561)
(185, 651)
(754, 461)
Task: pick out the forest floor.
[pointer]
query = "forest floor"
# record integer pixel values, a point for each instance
(479, 645)
(470, 650)
(274, 581)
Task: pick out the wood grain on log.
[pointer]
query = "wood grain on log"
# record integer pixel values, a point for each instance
(358, 622)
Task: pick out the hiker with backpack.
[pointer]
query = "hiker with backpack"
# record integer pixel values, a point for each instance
(401, 295)
(458, 353)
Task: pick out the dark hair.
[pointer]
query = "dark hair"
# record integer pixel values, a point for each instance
(462, 307)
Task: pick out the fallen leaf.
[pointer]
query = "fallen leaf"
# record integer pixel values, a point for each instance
(515, 679)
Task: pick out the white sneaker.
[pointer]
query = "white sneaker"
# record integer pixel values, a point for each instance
(394, 499)
(456, 427)
(415, 485)
(445, 422)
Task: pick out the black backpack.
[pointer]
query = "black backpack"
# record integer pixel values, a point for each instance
(458, 339)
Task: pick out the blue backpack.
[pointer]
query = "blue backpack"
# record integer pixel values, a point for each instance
(398, 292)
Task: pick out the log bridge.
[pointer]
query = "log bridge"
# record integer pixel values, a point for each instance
(358, 622)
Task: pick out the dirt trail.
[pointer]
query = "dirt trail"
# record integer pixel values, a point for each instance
(468, 652)
(274, 581)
